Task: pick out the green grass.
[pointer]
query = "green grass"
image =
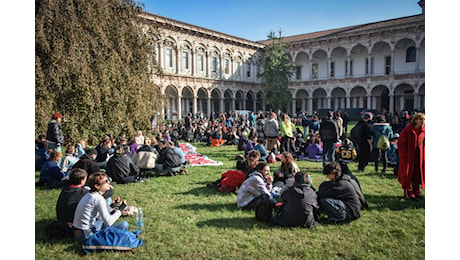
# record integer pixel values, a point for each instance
(186, 220)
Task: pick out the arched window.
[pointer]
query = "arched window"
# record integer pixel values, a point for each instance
(410, 54)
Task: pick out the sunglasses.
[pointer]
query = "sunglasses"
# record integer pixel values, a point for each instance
(106, 180)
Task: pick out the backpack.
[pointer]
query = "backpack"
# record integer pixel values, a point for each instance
(354, 134)
(383, 143)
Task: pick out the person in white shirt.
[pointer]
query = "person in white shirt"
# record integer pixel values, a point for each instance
(92, 214)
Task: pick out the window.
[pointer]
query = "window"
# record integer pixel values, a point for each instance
(346, 67)
(227, 66)
(248, 70)
(200, 62)
(367, 65)
(387, 65)
(169, 58)
(410, 54)
(185, 60)
(258, 71)
(314, 70)
(298, 72)
(214, 64)
(332, 69)
(238, 69)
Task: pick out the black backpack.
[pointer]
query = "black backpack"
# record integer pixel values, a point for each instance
(355, 132)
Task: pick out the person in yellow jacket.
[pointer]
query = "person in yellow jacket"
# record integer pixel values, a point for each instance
(287, 135)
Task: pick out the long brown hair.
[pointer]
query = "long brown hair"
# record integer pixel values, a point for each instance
(416, 116)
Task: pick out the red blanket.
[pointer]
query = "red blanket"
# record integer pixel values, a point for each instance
(195, 158)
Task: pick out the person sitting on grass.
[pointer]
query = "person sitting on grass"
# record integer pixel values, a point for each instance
(250, 144)
(168, 162)
(337, 197)
(255, 188)
(69, 160)
(286, 171)
(92, 214)
(300, 205)
(314, 151)
(261, 148)
(121, 167)
(51, 175)
(88, 162)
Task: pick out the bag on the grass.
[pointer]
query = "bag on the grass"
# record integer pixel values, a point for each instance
(112, 239)
(59, 230)
(263, 208)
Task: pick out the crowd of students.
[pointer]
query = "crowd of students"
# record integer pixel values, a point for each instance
(263, 137)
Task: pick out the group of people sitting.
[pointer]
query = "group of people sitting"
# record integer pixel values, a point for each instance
(122, 162)
(290, 194)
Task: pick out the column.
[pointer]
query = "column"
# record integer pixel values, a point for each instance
(347, 97)
(311, 68)
(244, 103)
(416, 101)
(254, 106)
(294, 102)
(310, 104)
(392, 102)
(374, 102)
(303, 105)
(369, 64)
(161, 56)
(392, 70)
(192, 61)
(369, 103)
(177, 61)
(401, 103)
(417, 59)
(348, 65)
(221, 105)
(208, 64)
(328, 102)
(179, 107)
(209, 106)
(194, 109)
(233, 104)
(328, 70)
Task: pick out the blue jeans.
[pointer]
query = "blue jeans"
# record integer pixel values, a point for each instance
(335, 209)
(162, 171)
(81, 237)
(328, 152)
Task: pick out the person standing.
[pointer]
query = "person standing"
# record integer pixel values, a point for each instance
(54, 135)
(329, 134)
(411, 149)
(272, 132)
(379, 128)
(364, 141)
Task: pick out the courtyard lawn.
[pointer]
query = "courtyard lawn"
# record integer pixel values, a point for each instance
(186, 220)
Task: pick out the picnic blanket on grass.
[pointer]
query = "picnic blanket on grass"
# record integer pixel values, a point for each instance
(195, 158)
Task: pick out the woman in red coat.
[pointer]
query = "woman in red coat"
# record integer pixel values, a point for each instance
(411, 147)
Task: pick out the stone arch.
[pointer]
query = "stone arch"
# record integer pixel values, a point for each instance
(358, 55)
(215, 100)
(239, 100)
(339, 59)
(301, 97)
(338, 98)
(171, 107)
(319, 64)
(319, 96)
(202, 100)
(302, 61)
(187, 100)
(380, 98)
(380, 50)
(401, 65)
(250, 101)
(404, 97)
(228, 97)
(358, 97)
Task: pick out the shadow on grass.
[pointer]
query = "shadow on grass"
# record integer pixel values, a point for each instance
(208, 207)
(203, 191)
(234, 223)
(394, 203)
(42, 239)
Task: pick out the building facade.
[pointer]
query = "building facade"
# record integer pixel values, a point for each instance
(378, 66)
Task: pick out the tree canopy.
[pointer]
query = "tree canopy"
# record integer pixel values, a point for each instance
(93, 64)
(276, 73)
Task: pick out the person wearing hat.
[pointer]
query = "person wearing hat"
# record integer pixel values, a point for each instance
(88, 162)
(54, 134)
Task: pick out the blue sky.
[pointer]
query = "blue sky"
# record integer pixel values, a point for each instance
(253, 19)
